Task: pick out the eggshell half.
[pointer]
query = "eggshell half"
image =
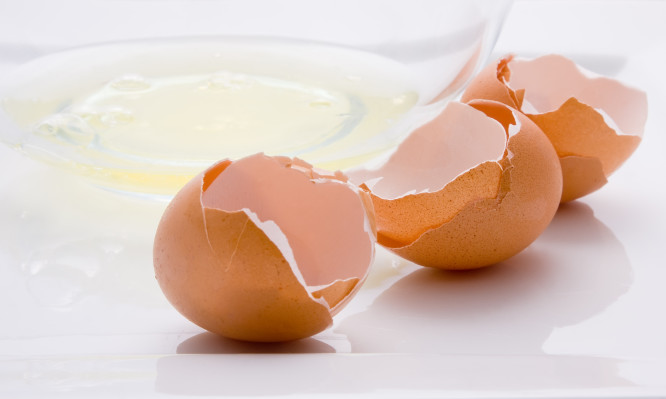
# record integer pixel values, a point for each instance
(595, 123)
(471, 188)
(264, 248)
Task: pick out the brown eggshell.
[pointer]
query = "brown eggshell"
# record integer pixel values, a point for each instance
(585, 116)
(264, 249)
(589, 176)
(502, 191)
(490, 84)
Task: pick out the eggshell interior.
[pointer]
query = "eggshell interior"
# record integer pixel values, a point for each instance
(584, 115)
(483, 184)
(436, 171)
(230, 257)
(550, 81)
(303, 211)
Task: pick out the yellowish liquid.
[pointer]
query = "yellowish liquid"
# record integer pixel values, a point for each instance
(147, 123)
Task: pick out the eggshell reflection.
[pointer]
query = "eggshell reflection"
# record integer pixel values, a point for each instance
(594, 123)
(264, 248)
(471, 188)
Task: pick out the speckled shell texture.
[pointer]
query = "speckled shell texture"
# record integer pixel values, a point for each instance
(483, 215)
(594, 123)
(242, 274)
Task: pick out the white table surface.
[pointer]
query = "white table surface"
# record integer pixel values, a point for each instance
(580, 313)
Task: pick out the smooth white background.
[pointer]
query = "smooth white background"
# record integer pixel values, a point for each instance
(578, 314)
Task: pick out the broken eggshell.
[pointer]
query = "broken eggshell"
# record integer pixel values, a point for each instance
(471, 188)
(594, 123)
(264, 248)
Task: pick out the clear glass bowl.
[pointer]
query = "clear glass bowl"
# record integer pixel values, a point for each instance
(336, 83)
